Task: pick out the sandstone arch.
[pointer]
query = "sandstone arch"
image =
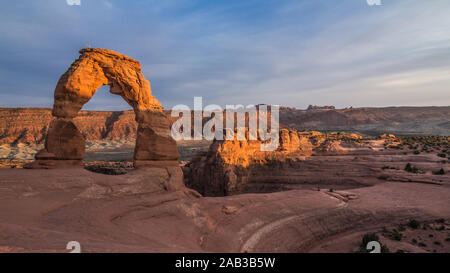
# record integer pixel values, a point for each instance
(94, 68)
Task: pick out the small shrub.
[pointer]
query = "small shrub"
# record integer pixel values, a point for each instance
(411, 169)
(422, 244)
(368, 237)
(393, 235)
(440, 172)
(437, 243)
(414, 241)
(442, 155)
(416, 152)
(396, 235)
(414, 224)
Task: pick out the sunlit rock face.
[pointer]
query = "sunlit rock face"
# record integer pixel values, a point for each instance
(232, 167)
(93, 69)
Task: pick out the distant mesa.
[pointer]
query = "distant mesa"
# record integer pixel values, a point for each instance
(316, 107)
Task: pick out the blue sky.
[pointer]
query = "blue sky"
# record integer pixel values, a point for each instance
(292, 53)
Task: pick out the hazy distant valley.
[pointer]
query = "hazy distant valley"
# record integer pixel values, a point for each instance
(110, 136)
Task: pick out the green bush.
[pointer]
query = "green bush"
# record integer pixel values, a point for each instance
(440, 172)
(414, 224)
(411, 169)
(368, 237)
(393, 234)
(396, 235)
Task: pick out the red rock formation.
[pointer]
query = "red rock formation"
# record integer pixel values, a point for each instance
(64, 142)
(231, 167)
(24, 125)
(29, 125)
(94, 68)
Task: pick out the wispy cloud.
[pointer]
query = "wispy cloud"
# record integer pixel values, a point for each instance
(291, 53)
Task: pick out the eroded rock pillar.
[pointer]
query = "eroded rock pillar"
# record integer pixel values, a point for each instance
(64, 146)
(154, 141)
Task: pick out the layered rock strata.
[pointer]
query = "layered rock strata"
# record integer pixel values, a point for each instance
(310, 160)
(93, 69)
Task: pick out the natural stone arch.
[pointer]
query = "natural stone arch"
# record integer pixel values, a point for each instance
(93, 69)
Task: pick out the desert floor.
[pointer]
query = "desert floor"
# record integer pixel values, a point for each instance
(42, 210)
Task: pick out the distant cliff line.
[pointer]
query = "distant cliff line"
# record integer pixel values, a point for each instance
(29, 125)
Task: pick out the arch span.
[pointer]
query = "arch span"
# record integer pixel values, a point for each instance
(94, 68)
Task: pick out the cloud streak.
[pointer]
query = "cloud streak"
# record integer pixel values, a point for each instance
(291, 53)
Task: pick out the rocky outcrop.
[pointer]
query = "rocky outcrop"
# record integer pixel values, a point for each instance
(228, 166)
(94, 68)
(307, 159)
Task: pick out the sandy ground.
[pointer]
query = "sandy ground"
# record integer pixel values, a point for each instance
(42, 210)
